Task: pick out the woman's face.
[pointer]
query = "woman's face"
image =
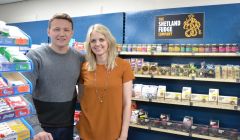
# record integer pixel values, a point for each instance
(98, 44)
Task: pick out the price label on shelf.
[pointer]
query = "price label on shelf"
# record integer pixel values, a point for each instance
(236, 108)
(149, 127)
(191, 104)
(193, 78)
(150, 99)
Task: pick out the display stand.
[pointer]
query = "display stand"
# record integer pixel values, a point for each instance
(14, 107)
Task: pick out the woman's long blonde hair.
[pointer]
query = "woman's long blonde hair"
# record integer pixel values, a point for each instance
(112, 47)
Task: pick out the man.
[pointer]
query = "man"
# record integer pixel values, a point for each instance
(55, 74)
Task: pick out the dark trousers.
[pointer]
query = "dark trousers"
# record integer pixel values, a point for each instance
(60, 133)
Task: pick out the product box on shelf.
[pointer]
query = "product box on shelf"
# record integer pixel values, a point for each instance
(13, 107)
(186, 93)
(137, 90)
(16, 84)
(232, 100)
(199, 98)
(173, 96)
(213, 95)
(161, 91)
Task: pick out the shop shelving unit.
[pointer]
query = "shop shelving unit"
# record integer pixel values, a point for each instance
(189, 103)
(16, 84)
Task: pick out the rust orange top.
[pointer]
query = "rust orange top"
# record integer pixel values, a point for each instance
(102, 101)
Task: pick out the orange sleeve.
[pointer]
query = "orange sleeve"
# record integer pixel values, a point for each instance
(127, 73)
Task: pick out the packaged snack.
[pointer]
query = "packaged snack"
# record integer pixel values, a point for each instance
(161, 91)
(137, 90)
(186, 93)
(213, 95)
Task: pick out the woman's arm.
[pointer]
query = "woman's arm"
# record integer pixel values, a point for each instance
(127, 94)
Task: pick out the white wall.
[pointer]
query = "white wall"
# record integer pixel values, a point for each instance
(34, 10)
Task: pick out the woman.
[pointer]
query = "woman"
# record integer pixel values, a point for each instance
(107, 89)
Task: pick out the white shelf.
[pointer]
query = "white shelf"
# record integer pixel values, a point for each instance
(135, 53)
(16, 38)
(143, 76)
(183, 54)
(176, 132)
(206, 137)
(190, 103)
(11, 90)
(189, 78)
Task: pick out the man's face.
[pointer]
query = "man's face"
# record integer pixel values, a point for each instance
(60, 32)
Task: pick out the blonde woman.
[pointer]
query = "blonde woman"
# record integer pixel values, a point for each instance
(107, 88)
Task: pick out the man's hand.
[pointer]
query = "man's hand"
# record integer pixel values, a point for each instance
(43, 136)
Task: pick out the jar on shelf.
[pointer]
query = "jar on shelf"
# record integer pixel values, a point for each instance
(125, 47)
(154, 47)
(164, 48)
(144, 47)
(170, 48)
(222, 48)
(234, 48)
(159, 48)
(207, 48)
(201, 48)
(195, 48)
(228, 48)
(214, 48)
(149, 48)
(188, 48)
(129, 48)
(139, 47)
(183, 48)
(177, 48)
